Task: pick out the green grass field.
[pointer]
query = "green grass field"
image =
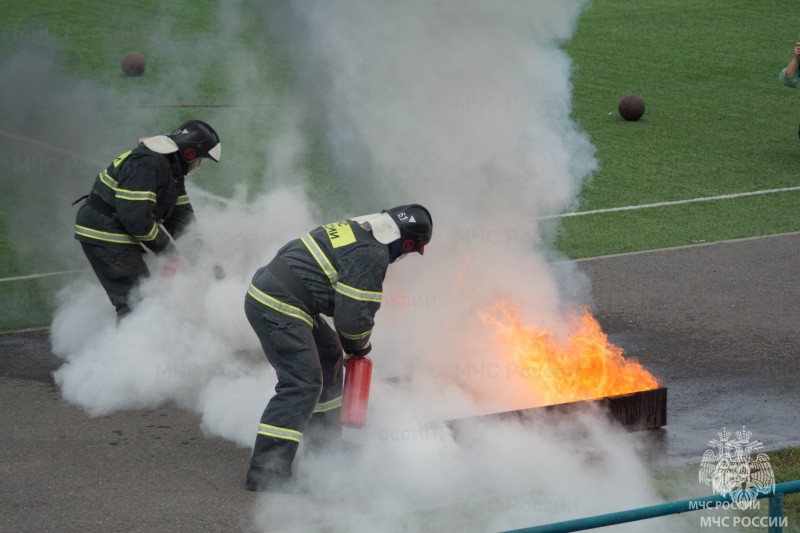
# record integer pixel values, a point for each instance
(717, 120)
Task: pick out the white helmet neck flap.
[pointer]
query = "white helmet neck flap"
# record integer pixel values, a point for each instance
(160, 144)
(382, 226)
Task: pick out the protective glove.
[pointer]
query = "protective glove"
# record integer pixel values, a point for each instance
(218, 272)
(363, 351)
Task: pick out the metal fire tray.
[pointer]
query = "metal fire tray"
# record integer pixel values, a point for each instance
(634, 411)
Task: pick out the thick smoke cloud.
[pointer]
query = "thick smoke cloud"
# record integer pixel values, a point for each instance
(492, 477)
(461, 106)
(464, 107)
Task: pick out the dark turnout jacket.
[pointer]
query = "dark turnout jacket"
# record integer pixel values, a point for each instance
(343, 267)
(141, 190)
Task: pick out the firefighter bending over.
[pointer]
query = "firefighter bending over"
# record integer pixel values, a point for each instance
(132, 201)
(336, 270)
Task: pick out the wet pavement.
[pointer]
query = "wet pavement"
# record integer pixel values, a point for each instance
(717, 324)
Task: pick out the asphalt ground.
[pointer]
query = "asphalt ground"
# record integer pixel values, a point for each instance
(717, 324)
(61, 470)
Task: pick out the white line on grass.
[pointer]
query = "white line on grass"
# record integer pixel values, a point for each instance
(43, 275)
(205, 194)
(676, 202)
(562, 215)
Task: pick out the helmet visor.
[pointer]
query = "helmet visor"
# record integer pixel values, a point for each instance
(216, 152)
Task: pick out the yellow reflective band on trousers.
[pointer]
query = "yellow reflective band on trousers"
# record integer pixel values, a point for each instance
(279, 433)
(273, 303)
(355, 337)
(119, 238)
(182, 200)
(330, 405)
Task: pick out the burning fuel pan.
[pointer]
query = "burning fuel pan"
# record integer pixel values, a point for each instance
(635, 411)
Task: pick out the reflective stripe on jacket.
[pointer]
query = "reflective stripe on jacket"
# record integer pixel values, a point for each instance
(343, 267)
(145, 190)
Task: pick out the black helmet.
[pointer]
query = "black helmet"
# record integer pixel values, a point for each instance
(196, 139)
(416, 227)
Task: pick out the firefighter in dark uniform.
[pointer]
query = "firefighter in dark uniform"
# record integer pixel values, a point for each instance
(138, 196)
(336, 270)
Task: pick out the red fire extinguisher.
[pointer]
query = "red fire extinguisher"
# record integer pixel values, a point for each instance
(357, 377)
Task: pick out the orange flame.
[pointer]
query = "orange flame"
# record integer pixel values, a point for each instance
(588, 367)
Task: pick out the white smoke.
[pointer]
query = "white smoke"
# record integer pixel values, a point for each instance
(187, 341)
(492, 476)
(463, 107)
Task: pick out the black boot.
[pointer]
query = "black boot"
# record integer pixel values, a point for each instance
(259, 480)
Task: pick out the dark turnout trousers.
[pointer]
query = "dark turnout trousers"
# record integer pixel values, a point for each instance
(119, 269)
(307, 400)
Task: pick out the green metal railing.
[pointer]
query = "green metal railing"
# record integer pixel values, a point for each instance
(774, 522)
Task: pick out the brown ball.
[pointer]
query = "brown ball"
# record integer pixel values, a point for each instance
(133, 64)
(631, 107)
